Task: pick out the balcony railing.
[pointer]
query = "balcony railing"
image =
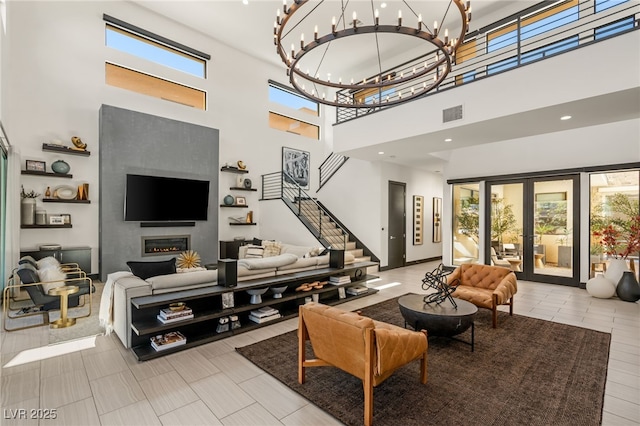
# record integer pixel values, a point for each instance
(535, 34)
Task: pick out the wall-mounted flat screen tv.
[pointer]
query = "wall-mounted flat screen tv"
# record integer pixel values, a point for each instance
(155, 198)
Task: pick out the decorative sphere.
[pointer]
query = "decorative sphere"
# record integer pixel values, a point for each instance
(228, 200)
(601, 287)
(61, 167)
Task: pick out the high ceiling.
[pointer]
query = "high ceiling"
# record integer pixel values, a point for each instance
(249, 28)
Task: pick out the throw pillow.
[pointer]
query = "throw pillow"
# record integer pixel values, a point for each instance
(271, 248)
(254, 252)
(29, 260)
(313, 252)
(146, 270)
(256, 242)
(47, 261)
(51, 277)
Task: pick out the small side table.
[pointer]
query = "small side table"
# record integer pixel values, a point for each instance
(515, 263)
(64, 292)
(538, 260)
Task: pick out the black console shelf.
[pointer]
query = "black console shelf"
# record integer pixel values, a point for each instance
(207, 306)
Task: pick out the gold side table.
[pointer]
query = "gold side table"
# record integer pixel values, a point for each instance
(64, 292)
(538, 260)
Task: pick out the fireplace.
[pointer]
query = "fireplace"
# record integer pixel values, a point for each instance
(166, 244)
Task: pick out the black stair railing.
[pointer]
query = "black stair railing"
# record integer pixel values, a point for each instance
(279, 185)
(330, 166)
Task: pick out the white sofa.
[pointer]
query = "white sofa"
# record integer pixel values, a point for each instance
(125, 287)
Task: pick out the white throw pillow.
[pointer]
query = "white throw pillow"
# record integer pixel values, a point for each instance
(53, 275)
(254, 252)
(45, 262)
(271, 248)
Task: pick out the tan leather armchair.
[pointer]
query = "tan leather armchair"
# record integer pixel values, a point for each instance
(485, 286)
(367, 349)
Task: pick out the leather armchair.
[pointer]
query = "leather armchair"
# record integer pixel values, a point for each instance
(367, 349)
(485, 286)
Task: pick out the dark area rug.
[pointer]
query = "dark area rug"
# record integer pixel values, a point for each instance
(527, 371)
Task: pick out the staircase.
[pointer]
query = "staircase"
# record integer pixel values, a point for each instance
(316, 218)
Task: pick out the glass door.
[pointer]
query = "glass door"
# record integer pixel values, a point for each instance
(534, 226)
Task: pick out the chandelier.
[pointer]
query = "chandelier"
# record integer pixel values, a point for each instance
(339, 69)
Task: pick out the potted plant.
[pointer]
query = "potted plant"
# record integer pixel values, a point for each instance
(28, 206)
(618, 243)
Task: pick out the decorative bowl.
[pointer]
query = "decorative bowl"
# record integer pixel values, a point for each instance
(277, 291)
(61, 167)
(178, 306)
(256, 294)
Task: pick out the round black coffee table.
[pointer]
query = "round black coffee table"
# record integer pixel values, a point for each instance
(438, 319)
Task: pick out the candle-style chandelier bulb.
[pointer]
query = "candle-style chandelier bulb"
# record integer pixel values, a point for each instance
(400, 18)
(419, 21)
(377, 17)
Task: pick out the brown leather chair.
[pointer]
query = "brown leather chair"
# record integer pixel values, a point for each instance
(485, 286)
(367, 349)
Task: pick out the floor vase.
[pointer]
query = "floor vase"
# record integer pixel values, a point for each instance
(615, 269)
(628, 288)
(601, 287)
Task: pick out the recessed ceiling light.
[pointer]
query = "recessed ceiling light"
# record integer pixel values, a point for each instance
(245, 2)
(380, 152)
(383, 5)
(565, 117)
(448, 140)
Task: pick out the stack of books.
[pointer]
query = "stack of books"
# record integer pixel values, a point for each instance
(168, 340)
(359, 289)
(167, 316)
(264, 314)
(345, 279)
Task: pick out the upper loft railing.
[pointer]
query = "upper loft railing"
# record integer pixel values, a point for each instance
(536, 33)
(330, 166)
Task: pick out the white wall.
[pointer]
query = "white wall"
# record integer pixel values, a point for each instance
(358, 195)
(55, 87)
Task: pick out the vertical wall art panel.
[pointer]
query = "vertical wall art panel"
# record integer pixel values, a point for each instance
(437, 219)
(418, 219)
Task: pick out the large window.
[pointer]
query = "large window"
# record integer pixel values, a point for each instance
(292, 125)
(466, 223)
(143, 44)
(614, 203)
(292, 100)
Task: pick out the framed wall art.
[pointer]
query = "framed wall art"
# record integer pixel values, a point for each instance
(437, 219)
(418, 219)
(296, 166)
(36, 166)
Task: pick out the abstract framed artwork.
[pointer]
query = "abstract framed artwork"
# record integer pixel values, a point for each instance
(296, 166)
(418, 219)
(437, 219)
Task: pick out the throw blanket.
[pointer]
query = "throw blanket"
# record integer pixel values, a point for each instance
(106, 302)
(268, 262)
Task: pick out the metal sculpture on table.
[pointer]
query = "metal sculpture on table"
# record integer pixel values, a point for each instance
(437, 280)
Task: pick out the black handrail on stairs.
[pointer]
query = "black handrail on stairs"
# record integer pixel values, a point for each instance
(315, 216)
(330, 166)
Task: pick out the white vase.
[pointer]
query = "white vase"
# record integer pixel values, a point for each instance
(615, 268)
(28, 211)
(601, 287)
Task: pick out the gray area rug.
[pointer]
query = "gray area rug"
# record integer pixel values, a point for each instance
(525, 372)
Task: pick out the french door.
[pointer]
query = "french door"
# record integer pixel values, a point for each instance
(533, 227)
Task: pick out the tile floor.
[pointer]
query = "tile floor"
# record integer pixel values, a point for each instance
(212, 384)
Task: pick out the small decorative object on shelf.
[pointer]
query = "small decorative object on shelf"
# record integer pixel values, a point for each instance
(60, 167)
(241, 165)
(250, 217)
(83, 191)
(56, 220)
(256, 295)
(227, 300)
(168, 340)
(47, 193)
(223, 325)
(66, 217)
(228, 200)
(28, 207)
(241, 201)
(264, 314)
(77, 142)
(36, 166)
(41, 217)
(247, 183)
(235, 322)
(174, 313)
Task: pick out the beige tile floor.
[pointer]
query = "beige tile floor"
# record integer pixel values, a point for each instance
(212, 384)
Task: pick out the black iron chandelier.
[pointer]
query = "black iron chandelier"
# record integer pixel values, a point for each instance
(307, 61)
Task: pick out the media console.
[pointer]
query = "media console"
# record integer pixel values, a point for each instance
(210, 304)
